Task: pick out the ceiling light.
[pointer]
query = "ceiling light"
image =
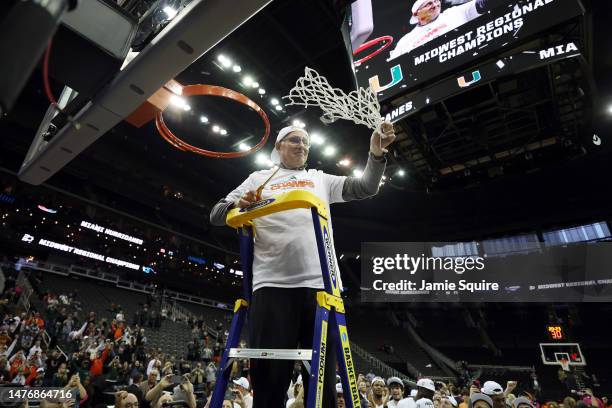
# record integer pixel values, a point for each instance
(247, 80)
(203, 119)
(344, 163)
(261, 91)
(610, 109)
(401, 173)
(170, 12)
(329, 151)
(296, 122)
(221, 58)
(186, 107)
(317, 139)
(255, 85)
(274, 101)
(278, 107)
(358, 173)
(384, 177)
(223, 132)
(216, 129)
(244, 147)
(261, 158)
(177, 101)
(237, 68)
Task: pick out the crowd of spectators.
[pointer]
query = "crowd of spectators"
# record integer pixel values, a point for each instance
(110, 361)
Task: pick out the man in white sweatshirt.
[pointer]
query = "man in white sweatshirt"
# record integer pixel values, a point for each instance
(286, 269)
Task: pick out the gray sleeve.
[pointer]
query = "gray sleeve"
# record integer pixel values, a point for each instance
(219, 212)
(359, 188)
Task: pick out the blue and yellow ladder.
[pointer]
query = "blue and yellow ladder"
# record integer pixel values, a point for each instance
(330, 307)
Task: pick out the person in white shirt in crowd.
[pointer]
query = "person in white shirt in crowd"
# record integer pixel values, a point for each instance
(396, 391)
(154, 363)
(19, 379)
(243, 397)
(184, 392)
(431, 22)
(77, 334)
(35, 349)
(295, 390)
(424, 403)
(497, 393)
(377, 398)
(286, 269)
(425, 389)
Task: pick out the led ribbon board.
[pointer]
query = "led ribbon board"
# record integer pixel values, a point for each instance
(80, 252)
(111, 232)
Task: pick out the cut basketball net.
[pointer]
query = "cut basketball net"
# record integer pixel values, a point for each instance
(360, 106)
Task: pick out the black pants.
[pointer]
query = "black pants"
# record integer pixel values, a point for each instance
(283, 319)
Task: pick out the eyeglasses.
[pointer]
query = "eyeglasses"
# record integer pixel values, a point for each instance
(296, 140)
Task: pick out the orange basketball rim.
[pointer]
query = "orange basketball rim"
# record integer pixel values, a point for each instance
(213, 90)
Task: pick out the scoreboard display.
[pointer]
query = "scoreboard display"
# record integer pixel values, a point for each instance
(555, 332)
(397, 45)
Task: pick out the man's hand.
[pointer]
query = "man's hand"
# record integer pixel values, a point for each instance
(240, 400)
(474, 390)
(381, 138)
(247, 199)
(510, 386)
(74, 380)
(166, 380)
(188, 387)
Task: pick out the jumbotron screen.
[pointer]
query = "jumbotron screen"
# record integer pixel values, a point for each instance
(399, 44)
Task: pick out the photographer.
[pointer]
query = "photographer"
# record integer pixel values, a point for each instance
(78, 392)
(184, 392)
(241, 394)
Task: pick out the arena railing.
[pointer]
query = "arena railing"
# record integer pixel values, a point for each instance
(128, 285)
(23, 280)
(378, 366)
(24, 299)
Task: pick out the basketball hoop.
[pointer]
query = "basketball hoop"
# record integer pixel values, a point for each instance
(212, 90)
(386, 41)
(564, 364)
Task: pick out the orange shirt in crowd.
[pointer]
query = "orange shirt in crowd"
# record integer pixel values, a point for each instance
(97, 364)
(119, 333)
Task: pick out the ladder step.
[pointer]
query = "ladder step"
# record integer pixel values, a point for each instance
(271, 354)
